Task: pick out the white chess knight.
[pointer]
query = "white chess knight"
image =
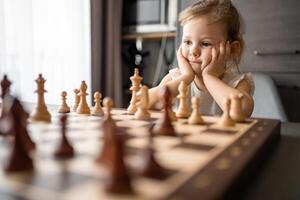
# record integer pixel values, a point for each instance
(83, 107)
(183, 109)
(236, 112)
(40, 112)
(195, 117)
(77, 100)
(136, 80)
(143, 106)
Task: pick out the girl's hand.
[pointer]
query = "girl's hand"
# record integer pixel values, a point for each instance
(185, 67)
(217, 66)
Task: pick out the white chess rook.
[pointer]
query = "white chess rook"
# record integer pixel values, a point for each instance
(236, 112)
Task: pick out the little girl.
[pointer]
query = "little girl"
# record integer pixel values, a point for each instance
(208, 57)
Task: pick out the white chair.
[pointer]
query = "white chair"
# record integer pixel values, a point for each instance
(267, 100)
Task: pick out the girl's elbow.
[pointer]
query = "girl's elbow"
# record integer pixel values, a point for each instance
(248, 105)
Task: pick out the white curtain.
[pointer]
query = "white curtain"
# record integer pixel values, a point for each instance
(51, 37)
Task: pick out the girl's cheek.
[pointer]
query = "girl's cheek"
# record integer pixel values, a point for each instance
(185, 53)
(206, 56)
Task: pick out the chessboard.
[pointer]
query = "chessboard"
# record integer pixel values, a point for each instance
(203, 161)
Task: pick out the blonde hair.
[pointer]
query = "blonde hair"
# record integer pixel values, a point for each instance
(221, 11)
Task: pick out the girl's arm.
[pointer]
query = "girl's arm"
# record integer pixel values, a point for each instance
(154, 93)
(220, 90)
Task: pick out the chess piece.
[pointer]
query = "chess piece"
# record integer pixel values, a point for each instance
(164, 125)
(29, 144)
(136, 85)
(195, 117)
(225, 120)
(112, 154)
(5, 85)
(19, 159)
(108, 104)
(64, 108)
(97, 110)
(64, 150)
(183, 109)
(172, 114)
(142, 112)
(236, 112)
(83, 107)
(150, 167)
(108, 127)
(77, 100)
(119, 181)
(40, 112)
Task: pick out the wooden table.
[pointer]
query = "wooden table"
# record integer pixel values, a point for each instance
(279, 177)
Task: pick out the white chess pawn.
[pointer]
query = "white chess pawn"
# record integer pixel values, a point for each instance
(97, 110)
(77, 100)
(108, 104)
(195, 117)
(236, 112)
(225, 120)
(142, 111)
(183, 109)
(136, 80)
(40, 113)
(64, 108)
(172, 114)
(83, 107)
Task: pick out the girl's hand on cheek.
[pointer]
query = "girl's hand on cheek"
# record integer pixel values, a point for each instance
(185, 67)
(217, 65)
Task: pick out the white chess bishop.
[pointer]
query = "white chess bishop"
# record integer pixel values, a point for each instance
(83, 107)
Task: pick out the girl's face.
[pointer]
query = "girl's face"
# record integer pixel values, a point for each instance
(200, 35)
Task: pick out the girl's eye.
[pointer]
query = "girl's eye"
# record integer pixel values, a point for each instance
(206, 44)
(187, 42)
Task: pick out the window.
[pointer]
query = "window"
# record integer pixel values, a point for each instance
(51, 37)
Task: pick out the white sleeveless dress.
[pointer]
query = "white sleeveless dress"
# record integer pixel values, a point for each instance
(208, 105)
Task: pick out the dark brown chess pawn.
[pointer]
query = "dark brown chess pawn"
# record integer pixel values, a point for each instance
(150, 167)
(164, 125)
(5, 84)
(108, 127)
(119, 181)
(64, 150)
(19, 159)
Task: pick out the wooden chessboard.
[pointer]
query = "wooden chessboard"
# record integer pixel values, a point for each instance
(203, 161)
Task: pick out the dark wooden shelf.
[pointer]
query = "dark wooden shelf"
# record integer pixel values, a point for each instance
(149, 36)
